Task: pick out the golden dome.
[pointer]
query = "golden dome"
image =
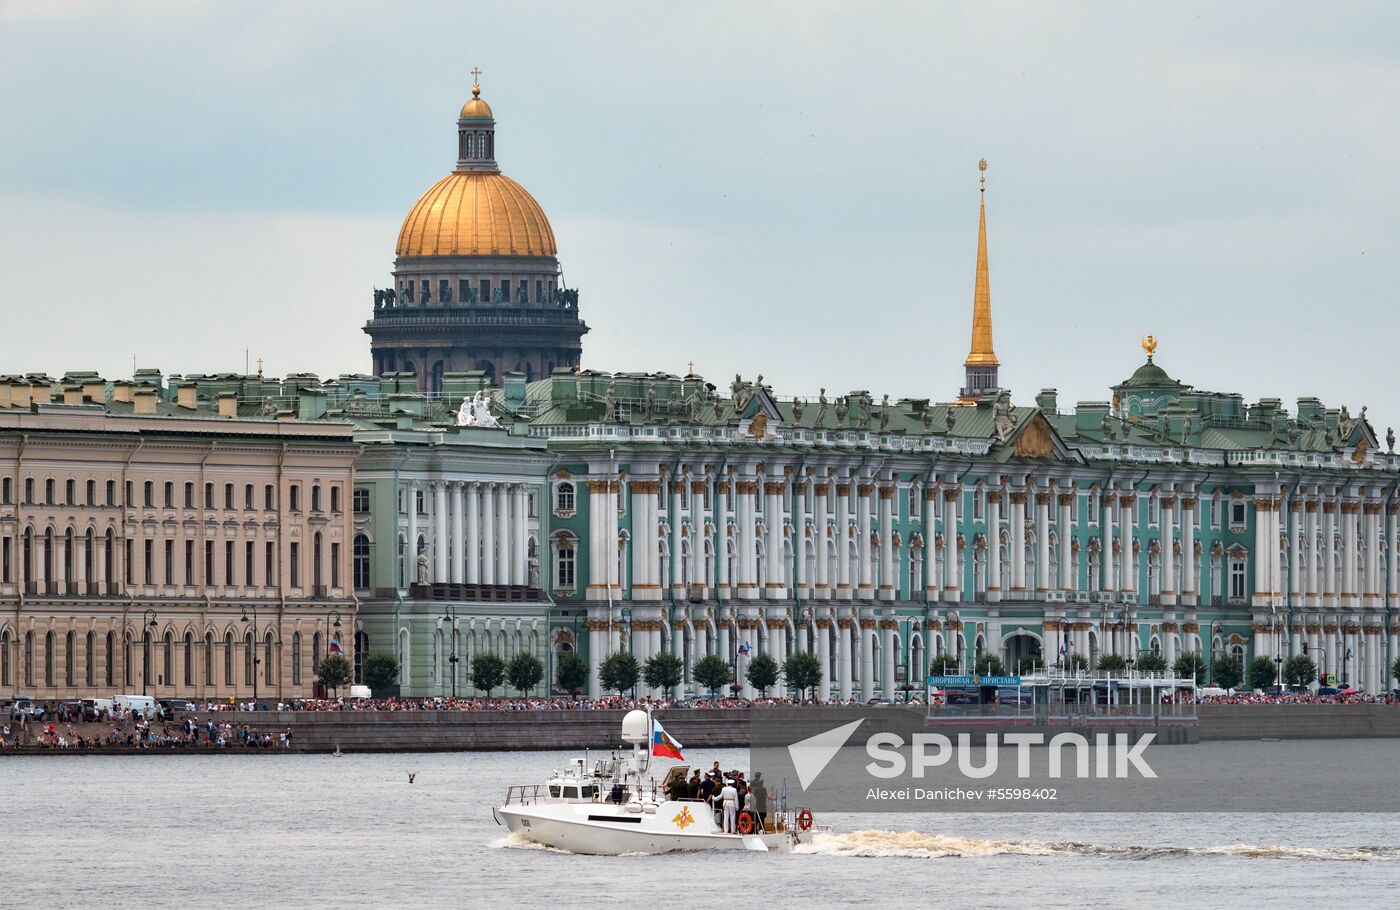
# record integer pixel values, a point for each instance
(476, 213)
(475, 108)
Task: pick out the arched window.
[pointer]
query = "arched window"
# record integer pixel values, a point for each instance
(249, 653)
(564, 498)
(189, 659)
(48, 659)
(316, 561)
(167, 663)
(5, 658)
(109, 651)
(403, 657)
(360, 562)
(296, 658)
(228, 659)
(403, 561)
(269, 673)
(90, 659)
(70, 645)
(28, 658)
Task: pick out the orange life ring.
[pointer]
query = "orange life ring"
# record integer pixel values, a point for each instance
(745, 822)
(804, 820)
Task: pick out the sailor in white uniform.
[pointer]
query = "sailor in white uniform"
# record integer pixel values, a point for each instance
(729, 797)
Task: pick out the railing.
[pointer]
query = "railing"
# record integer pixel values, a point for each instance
(523, 794)
(477, 592)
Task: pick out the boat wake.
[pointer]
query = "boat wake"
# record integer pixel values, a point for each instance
(915, 845)
(517, 841)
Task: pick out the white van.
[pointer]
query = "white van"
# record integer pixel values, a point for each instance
(359, 692)
(145, 705)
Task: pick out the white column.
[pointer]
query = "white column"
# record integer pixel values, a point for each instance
(843, 541)
(1108, 571)
(1168, 551)
(677, 586)
(1348, 518)
(458, 536)
(822, 583)
(1018, 543)
(1188, 550)
(439, 531)
(1128, 570)
(745, 492)
(1311, 592)
(889, 586)
(643, 536)
(843, 658)
(1069, 580)
(866, 591)
(952, 565)
(502, 534)
(721, 541)
(1042, 543)
(1372, 588)
(596, 644)
(867, 659)
(994, 497)
(776, 584)
(699, 575)
(823, 643)
(411, 558)
(520, 545)
(472, 535)
(1328, 552)
(1295, 558)
(488, 534)
(933, 586)
(887, 651)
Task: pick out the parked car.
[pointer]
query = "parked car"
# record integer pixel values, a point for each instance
(24, 706)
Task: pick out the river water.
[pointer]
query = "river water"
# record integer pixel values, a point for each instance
(318, 831)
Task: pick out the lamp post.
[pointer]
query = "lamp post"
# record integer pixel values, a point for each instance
(254, 647)
(450, 617)
(332, 630)
(1123, 617)
(1216, 627)
(148, 622)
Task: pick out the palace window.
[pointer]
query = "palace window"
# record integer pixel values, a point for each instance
(335, 500)
(5, 491)
(169, 562)
(148, 494)
(359, 501)
(228, 563)
(360, 564)
(228, 497)
(295, 564)
(564, 498)
(189, 495)
(315, 497)
(294, 498)
(111, 492)
(269, 499)
(248, 497)
(92, 492)
(1237, 515)
(189, 563)
(209, 562)
(486, 290)
(270, 564)
(70, 492)
(169, 495)
(564, 566)
(49, 491)
(1237, 577)
(208, 496)
(148, 557)
(1154, 510)
(979, 499)
(29, 491)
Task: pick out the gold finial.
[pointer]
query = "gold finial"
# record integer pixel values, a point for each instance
(1149, 344)
(476, 81)
(982, 181)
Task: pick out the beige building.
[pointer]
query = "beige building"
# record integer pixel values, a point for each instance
(153, 540)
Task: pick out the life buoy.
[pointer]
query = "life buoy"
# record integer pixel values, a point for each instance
(804, 820)
(745, 822)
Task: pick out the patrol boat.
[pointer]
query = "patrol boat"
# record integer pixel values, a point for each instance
(612, 809)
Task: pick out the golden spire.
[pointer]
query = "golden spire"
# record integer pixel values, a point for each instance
(982, 353)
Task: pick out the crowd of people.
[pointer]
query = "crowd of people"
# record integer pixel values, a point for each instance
(132, 730)
(1298, 698)
(727, 793)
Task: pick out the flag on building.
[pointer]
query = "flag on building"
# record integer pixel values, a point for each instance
(662, 745)
(335, 647)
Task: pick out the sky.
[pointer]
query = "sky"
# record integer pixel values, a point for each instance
(778, 188)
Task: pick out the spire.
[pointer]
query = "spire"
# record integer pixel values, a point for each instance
(476, 132)
(981, 364)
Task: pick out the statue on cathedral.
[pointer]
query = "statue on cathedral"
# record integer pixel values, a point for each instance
(496, 296)
(476, 412)
(470, 296)
(422, 568)
(695, 402)
(391, 297)
(445, 291)
(821, 407)
(378, 299)
(610, 401)
(521, 296)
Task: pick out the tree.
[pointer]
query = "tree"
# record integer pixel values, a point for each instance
(571, 672)
(334, 672)
(988, 664)
(1152, 662)
(1262, 672)
(663, 671)
(1073, 662)
(1112, 663)
(1226, 672)
(488, 672)
(1299, 671)
(1190, 665)
(712, 672)
(945, 664)
(381, 673)
(803, 671)
(619, 672)
(1394, 671)
(524, 672)
(1029, 664)
(762, 673)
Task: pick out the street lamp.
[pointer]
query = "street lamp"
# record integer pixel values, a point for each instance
(1216, 627)
(450, 617)
(254, 648)
(148, 622)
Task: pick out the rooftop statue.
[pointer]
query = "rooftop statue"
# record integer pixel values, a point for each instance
(843, 408)
(885, 412)
(471, 295)
(610, 401)
(796, 408)
(950, 419)
(476, 412)
(821, 408)
(927, 417)
(1002, 423)
(1390, 440)
(422, 564)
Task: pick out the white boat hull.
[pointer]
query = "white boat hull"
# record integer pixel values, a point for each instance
(608, 829)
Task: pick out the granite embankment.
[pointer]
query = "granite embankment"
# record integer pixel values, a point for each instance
(410, 731)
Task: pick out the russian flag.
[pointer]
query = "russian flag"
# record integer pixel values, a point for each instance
(335, 647)
(662, 745)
